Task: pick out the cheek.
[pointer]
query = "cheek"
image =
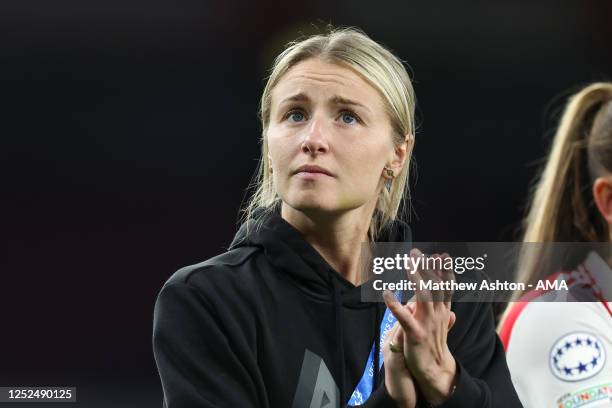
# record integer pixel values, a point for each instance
(280, 150)
(366, 163)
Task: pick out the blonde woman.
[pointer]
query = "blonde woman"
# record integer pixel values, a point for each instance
(560, 352)
(277, 320)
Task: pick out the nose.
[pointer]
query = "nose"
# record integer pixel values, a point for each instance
(315, 141)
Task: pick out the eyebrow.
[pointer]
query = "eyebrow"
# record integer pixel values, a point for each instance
(336, 99)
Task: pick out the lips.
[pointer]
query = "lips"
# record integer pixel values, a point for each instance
(308, 168)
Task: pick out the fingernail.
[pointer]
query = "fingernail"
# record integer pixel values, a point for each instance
(415, 251)
(388, 296)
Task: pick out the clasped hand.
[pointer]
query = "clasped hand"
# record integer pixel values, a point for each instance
(415, 350)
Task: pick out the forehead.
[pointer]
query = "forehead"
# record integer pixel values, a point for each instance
(315, 77)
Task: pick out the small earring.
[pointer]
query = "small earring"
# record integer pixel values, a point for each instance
(389, 181)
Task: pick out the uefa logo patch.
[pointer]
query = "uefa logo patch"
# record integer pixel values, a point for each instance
(577, 356)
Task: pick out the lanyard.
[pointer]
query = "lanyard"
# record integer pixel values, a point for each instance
(364, 387)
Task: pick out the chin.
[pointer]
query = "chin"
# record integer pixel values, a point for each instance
(317, 202)
(311, 202)
(312, 206)
(319, 206)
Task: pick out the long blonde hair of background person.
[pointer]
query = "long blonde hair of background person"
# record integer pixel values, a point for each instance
(562, 208)
(385, 72)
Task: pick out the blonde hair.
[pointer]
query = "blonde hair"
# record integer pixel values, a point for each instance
(352, 47)
(562, 208)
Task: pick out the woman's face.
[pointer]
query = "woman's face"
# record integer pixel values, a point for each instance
(327, 115)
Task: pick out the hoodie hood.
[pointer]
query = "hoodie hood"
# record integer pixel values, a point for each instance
(287, 249)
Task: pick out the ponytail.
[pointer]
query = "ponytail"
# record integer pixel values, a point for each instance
(562, 208)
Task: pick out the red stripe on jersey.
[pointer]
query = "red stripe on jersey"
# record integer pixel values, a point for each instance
(516, 309)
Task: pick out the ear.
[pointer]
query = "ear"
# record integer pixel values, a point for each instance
(602, 193)
(401, 153)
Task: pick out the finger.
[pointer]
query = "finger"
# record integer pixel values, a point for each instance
(393, 338)
(443, 274)
(435, 275)
(423, 296)
(391, 335)
(411, 304)
(451, 320)
(448, 275)
(404, 317)
(400, 338)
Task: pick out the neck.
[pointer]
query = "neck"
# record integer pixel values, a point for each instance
(337, 237)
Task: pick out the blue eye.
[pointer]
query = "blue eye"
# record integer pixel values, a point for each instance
(348, 118)
(296, 116)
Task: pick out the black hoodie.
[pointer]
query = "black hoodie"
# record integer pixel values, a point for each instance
(270, 323)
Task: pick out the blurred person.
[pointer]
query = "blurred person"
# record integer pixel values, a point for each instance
(559, 342)
(277, 320)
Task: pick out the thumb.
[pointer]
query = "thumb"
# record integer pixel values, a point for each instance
(451, 320)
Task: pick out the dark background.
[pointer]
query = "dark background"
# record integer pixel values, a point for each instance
(130, 132)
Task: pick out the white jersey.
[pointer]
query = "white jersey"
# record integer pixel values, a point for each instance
(560, 352)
